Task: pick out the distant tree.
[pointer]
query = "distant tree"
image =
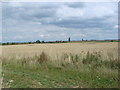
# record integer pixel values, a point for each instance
(42, 41)
(112, 40)
(82, 39)
(3, 44)
(38, 41)
(29, 42)
(69, 39)
(7, 43)
(13, 43)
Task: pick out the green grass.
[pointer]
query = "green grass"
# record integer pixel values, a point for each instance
(54, 78)
(41, 72)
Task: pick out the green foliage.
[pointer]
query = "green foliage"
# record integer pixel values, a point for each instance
(69, 39)
(94, 59)
(38, 41)
(43, 42)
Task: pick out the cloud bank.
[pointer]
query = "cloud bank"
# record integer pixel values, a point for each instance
(49, 21)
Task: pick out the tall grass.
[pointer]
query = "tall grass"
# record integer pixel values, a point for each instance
(91, 64)
(76, 61)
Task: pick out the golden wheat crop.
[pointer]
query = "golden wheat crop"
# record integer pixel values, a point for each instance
(57, 49)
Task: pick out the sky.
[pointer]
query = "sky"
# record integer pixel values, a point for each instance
(51, 21)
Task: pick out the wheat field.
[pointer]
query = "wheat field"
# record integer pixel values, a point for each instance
(59, 48)
(79, 65)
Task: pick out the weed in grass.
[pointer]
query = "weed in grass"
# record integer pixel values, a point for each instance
(42, 58)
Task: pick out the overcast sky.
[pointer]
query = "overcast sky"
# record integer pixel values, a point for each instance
(57, 21)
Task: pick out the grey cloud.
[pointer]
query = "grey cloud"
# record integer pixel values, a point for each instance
(76, 5)
(84, 23)
(21, 12)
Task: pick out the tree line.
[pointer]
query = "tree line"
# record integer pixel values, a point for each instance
(69, 40)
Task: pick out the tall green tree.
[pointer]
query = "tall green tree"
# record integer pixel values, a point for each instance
(38, 41)
(69, 39)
